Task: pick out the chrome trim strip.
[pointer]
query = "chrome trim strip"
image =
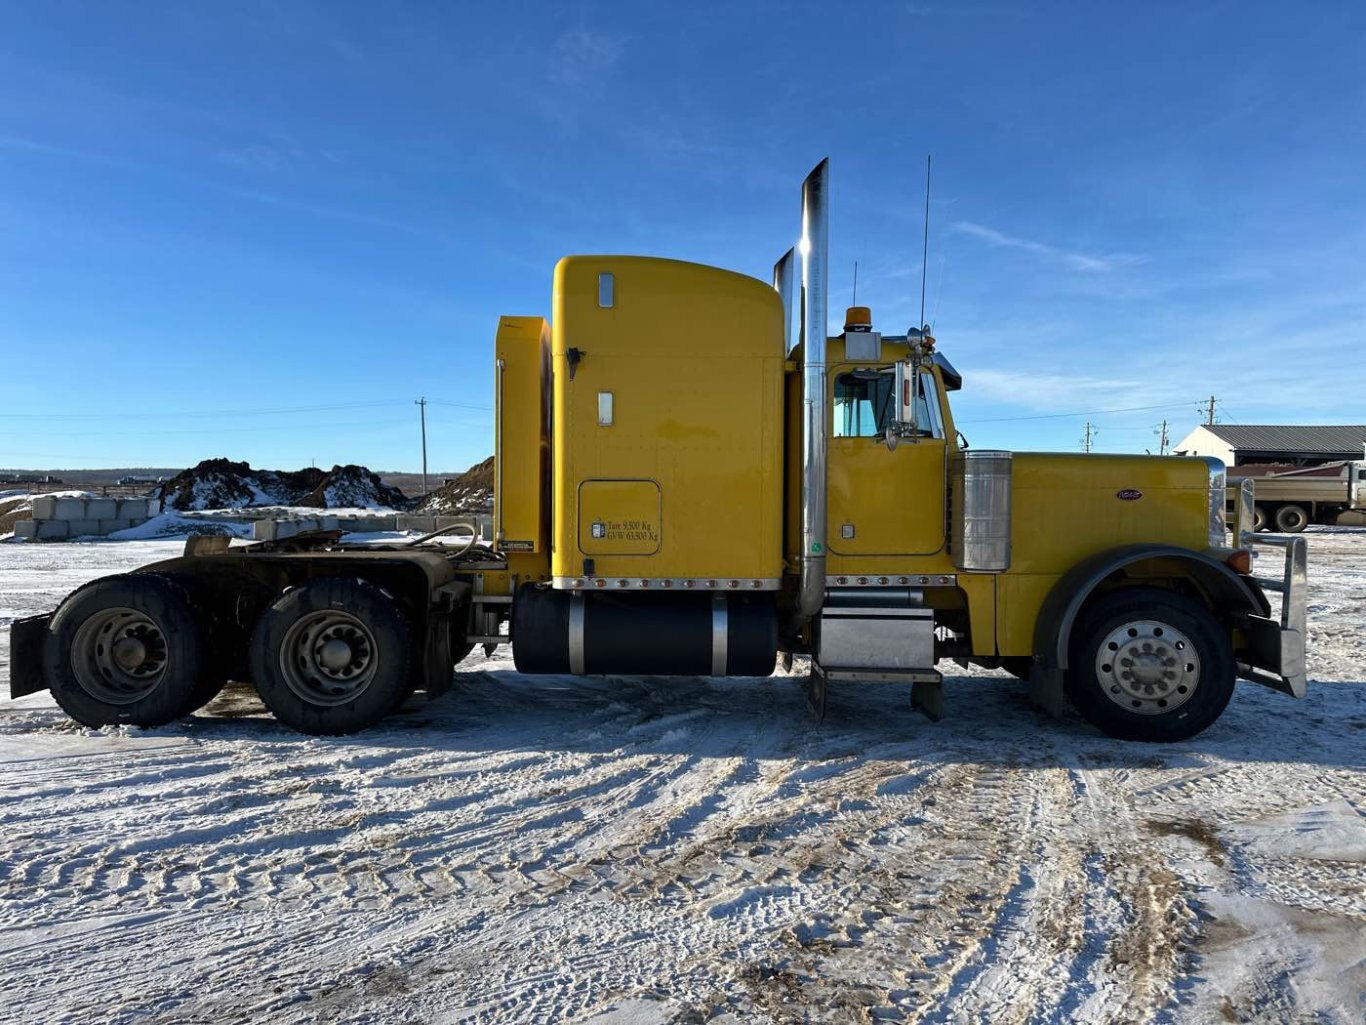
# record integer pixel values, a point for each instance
(576, 634)
(720, 631)
(815, 250)
(894, 580)
(605, 583)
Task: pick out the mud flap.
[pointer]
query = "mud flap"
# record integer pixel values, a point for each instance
(927, 697)
(1046, 690)
(26, 639)
(815, 691)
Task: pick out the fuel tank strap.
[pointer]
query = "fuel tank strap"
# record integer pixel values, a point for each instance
(720, 629)
(576, 660)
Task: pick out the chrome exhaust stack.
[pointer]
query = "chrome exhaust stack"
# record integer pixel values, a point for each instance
(815, 250)
(782, 284)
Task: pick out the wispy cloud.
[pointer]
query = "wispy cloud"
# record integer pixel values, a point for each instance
(581, 57)
(1093, 262)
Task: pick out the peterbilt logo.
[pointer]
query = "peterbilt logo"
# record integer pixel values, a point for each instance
(1128, 494)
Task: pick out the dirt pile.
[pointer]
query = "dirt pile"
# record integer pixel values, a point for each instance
(224, 484)
(354, 487)
(471, 491)
(14, 508)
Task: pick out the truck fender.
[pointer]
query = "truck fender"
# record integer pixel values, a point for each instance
(1225, 590)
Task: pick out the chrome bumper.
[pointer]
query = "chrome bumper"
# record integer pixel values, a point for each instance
(1276, 645)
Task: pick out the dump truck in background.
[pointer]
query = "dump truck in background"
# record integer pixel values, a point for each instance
(692, 479)
(1288, 499)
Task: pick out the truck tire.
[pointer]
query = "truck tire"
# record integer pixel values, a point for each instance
(1258, 518)
(126, 649)
(1151, 665)
(332, 656)
(1291, 519)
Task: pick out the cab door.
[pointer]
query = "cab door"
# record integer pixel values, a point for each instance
(884, 502)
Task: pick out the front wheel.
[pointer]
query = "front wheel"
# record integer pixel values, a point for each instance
(332, 656)
(1150, 665)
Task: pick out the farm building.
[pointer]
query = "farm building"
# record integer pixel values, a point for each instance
(1245, 444)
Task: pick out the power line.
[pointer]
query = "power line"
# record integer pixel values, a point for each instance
(1081, 412)
(459, 405)
(201, 413)
(321, 424)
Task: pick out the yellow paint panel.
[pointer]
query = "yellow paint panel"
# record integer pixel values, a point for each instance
(893, 502)
(619, 517)
(1068, 507)
(693, 358)
(522, 443)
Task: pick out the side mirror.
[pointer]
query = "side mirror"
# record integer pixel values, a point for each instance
(908, 386)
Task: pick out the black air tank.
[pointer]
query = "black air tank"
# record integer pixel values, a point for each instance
(677, 634)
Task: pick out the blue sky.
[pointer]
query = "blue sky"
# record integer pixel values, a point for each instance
(261, 230)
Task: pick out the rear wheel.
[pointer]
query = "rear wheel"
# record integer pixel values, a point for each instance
(332, 656)
(1291, 519)
(1150, 665)
(1258, 518)
(126, 649)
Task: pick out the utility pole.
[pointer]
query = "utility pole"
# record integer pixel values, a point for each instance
(422, 405)
(1162, 440)
(1090, 433)
(1209, 416)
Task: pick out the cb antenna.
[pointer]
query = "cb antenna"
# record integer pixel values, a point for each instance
(854, 301)
(925, 249)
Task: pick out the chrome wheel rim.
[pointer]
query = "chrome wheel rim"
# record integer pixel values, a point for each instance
(119, 655)
(1148, 667)
(328, 658)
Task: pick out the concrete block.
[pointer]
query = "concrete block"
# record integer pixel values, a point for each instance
(82, 528)
(101, 509)
(110, 526)
(153, 507)
(53, 530)
(45, 508)
(366, 524)
(132, 508)
(411, 521)
(26, 528)
(264, 530)
(70, 509)
(326, 523)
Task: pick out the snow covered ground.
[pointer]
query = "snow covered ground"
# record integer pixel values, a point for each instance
(549, 849)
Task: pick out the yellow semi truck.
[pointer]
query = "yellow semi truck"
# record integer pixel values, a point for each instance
(693, 479)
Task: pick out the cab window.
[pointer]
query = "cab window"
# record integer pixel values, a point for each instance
(864, 404)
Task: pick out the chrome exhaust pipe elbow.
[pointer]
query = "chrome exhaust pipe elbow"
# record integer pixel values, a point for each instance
(815, 251)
